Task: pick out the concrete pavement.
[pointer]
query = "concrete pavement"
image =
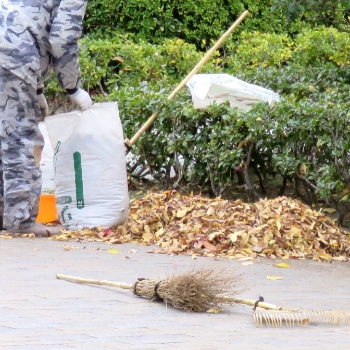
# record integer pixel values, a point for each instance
(40, 312)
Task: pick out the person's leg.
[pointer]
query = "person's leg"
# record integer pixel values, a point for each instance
(21, 146)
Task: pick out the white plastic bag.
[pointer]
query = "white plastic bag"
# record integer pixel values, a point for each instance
(207, 89)
(89, 166)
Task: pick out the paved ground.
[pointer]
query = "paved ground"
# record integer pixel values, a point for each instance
(40, 312)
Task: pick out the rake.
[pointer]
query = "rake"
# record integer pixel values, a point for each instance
(205, 289)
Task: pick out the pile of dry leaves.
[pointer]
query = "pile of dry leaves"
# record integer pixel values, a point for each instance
(194, 225)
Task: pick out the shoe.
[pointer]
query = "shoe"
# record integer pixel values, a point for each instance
(39, 230)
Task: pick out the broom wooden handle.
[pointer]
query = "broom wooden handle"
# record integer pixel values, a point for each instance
(129, 286)
(90, 281)
(251, 302)
(200, 64)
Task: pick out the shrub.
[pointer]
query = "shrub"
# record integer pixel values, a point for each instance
(256, 49)
(322, 45)
(197, 22)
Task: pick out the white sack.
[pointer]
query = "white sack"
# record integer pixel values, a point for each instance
(207, 89)
(89, 165)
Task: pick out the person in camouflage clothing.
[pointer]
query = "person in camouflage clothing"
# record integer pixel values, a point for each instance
(35, 36)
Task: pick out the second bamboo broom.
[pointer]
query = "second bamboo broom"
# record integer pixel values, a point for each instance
(205, 289)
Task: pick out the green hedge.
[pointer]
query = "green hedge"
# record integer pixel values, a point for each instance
(308, 49)
(198, 21)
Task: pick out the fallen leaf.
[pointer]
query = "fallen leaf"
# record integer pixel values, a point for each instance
(246, 263)
(134, 251)
(278, 224)
(305, 321)
(257, 249)
(134, 228)
(282, 265)
(326, 256)
(215, 311)
(5, 236)
(274, 278)
(329, 210)
(160, 232)
(338, 258)
(113, 251)
(345, 198)
(29, 235)
(209, 246)
(66, 247)
(210, 211)
(181, 213)
(90, 232)
(147, 236)
(303, 169)
(159, 251)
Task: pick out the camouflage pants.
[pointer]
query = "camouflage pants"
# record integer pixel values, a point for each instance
(21, 144)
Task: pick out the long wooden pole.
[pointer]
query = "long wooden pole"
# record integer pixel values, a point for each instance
(90, 281)
(200, 64)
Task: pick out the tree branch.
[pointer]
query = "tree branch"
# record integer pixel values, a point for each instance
(248, 184)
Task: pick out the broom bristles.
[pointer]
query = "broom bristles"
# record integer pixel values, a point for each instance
(194, 291)
(298, 317)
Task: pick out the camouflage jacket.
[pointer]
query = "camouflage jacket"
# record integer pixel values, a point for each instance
(36, 35)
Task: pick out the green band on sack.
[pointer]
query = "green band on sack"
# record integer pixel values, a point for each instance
(78, 180)
(58, 145)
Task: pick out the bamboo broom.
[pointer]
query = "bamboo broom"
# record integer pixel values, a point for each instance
(152, 118)
(199, 291)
